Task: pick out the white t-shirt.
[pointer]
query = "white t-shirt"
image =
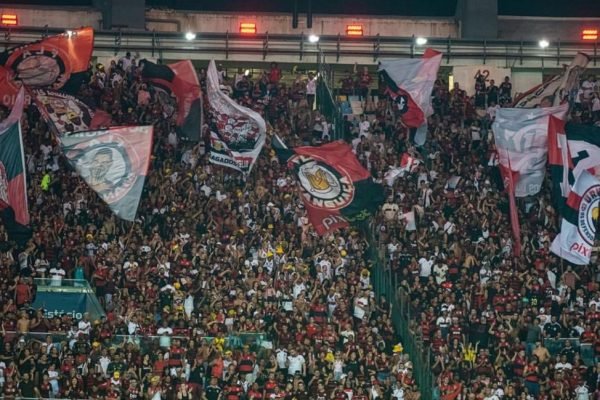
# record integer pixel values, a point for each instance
(295, 364)
(425, 266)
(360, 307)
(311, 86)
(363, 127)
(282, 356)
(57, 275)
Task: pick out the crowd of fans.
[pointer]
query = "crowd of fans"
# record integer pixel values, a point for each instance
(212, 255)
(221, 289)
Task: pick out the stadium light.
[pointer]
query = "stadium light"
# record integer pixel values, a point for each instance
(313, 38)
(354, 30)
(248, 28)
(421, 41)
(69, 33)
(9, 19)
(544, 43)
(589, 34)
(190, 36)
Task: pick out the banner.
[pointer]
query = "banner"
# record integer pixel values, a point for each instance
(521, 137)
(554, 91)
(572, 149)
(241, 131)
(410, 83)
(180, 80)
(67, 114)
(13, 184)
(114, 163)
(465, 75)
(336, 189)
(57, 62)
(580, 219)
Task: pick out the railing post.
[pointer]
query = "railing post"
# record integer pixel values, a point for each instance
(448, 50)
(118, 40)
(376, 47)
(227, 45)
(301, 45)
(266, 46)
(337, 54)
(521, 53)
(412, 47)
(484, 51)
(558, 53)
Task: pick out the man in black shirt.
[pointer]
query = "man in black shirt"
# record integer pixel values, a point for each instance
(213, 391)
(27, 388)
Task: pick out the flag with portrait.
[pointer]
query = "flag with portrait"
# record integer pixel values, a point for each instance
(114, 163)
(57, 62)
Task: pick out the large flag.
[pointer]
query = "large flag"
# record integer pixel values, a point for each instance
(67, 114)
(56, 62)
(580, 218)
(554, 91)
(114, 163)
(13, 185)
(521, 137)
(409, 83)
(240, 131)
(572, 149)
(180, 80)
(336, 189)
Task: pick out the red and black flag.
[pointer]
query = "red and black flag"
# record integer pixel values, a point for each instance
(114, 163)
(336, 189)
(409, 83)
(13, 185)
(66, 114)
(57, 62)
(180, 80)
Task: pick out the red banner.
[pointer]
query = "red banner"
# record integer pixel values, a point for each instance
(57, 62)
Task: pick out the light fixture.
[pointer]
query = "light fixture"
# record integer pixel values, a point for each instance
(589, 34)
(354, 30)
(69, 33)
(247, 72)
(421, 41)
(544, 43)
(9, 19)
(248, 28)
(313, 38)
(190, 36)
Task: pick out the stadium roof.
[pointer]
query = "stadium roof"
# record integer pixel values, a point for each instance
(433, 8)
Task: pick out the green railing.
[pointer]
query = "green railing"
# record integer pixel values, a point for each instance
(234, 340)
(385, 284)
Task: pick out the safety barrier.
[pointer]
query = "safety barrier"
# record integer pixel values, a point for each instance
(385, 284)
(342, 49)
(235, 340)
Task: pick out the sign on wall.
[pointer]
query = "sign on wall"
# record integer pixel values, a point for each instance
(465, 75)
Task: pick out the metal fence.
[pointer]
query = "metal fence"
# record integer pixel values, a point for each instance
(385, 283)
(234, 340)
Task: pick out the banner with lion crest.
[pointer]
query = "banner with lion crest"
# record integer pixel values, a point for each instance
(335, 188)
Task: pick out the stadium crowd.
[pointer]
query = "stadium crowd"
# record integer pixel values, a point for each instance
(220, 290)
(212, 255)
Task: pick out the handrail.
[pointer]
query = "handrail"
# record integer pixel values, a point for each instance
(370, 47)
(385, 283)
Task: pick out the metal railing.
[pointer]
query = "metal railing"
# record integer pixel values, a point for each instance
(234, 340)
(385, 283)
(585, 350)
(342, 48)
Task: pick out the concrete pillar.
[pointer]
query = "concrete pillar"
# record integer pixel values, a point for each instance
(478, 18)
(129, 14)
